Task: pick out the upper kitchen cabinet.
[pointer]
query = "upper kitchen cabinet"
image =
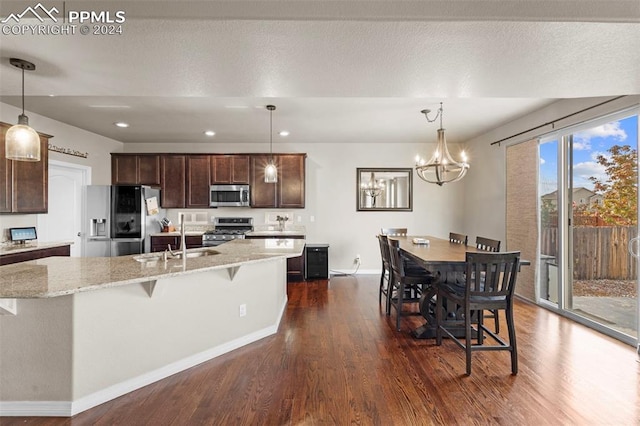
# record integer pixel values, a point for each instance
(135, 169)
(198, 179)
(288, 192)
(291, 176)
(172, 180)
(228, 169)
(24, 186)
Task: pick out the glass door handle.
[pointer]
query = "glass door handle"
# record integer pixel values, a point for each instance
(634, 247)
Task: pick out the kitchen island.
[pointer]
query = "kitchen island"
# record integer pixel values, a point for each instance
(87, 330)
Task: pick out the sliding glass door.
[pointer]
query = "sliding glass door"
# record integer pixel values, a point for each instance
(588, 185)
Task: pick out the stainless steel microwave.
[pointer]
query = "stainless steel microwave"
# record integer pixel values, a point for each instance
(229, 196)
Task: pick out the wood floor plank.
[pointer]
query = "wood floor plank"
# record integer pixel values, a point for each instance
(337, 359)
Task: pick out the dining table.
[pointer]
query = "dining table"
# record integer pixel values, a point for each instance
(446, 261)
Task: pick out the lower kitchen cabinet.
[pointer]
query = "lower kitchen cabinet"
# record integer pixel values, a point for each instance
(23, 256)
(160, 242)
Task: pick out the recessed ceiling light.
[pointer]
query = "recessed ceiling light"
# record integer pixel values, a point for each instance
(209, 133)
(284, 133)
(121, 124)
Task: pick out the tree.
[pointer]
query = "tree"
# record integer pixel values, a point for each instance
(620, 189)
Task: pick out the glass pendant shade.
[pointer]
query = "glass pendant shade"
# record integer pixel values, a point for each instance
(441, 167)
(22, 143)
(271, 173)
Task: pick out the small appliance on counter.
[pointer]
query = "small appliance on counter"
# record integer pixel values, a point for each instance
(227, 229)
(22, 235)
(117, 220)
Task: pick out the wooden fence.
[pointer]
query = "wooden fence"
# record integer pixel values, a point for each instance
(599, 252)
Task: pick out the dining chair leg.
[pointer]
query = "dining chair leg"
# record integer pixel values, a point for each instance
(495, 317)
(399, 305)
(480, 336)
(512, 339)
(381, 285)
(467, 338)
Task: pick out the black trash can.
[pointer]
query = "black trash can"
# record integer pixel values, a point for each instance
(316, 261)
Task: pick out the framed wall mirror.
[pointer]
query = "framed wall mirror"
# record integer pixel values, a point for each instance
(384, 189)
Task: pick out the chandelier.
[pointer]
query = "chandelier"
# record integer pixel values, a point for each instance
(441, 168)
(372, 189)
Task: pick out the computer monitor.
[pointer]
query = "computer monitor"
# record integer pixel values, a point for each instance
(23, 234)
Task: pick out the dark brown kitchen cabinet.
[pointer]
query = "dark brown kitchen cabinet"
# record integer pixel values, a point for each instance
(135, 169)
(40, 253)
(198, 180)
(24, 186)
(291, 177)
(229, 169)
(172, 180)
(262, 194)
(288, 192)
(160, 242)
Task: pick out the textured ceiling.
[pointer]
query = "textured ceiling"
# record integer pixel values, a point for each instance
(353, 71)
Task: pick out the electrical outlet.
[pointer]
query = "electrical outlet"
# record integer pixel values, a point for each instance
(242, 310)
(357, 259)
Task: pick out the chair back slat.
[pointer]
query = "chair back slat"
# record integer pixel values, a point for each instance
(396, 261)
(394, 232)
(492, 275)
(458, 238)
(384, 251)
(487, 244)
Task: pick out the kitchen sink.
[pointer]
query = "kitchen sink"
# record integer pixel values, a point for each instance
(197, 253)
(155, 257)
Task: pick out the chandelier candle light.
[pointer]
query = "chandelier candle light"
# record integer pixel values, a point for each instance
(441, 168)
(373, 189)
(271, 172)
(22, 143)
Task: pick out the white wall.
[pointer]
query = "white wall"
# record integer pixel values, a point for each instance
(484, 186)
(64, 136)
(331, 196)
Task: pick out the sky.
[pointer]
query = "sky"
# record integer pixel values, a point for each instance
(587, 145)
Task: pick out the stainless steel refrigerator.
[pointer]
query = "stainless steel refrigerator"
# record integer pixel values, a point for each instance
(118, 219)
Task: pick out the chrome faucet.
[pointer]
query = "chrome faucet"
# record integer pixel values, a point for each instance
(183, 239)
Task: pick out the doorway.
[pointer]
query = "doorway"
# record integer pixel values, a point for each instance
(63, 222)
(588, 209)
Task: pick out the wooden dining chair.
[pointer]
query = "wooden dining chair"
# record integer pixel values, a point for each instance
(490, 283)
(487, 244)
(386, 277)
(407, 284)
(458, 238)
(394, 232)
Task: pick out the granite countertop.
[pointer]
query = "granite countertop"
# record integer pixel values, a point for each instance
(20, 248)
(59, 276)
(272, 231)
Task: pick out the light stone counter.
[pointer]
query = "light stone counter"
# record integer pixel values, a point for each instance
(9, 248)
(58, 276)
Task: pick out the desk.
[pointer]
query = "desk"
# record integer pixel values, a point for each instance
(445, 260)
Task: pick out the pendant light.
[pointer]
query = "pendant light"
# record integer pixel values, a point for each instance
(22, 143)
(271, 172)
(441, 168)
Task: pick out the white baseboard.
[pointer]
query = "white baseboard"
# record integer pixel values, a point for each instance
(358, 272)
(71, 408)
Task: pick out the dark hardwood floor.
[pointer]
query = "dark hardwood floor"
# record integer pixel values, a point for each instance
(338, 360)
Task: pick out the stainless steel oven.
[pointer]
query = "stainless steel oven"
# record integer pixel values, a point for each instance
(227, 229)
